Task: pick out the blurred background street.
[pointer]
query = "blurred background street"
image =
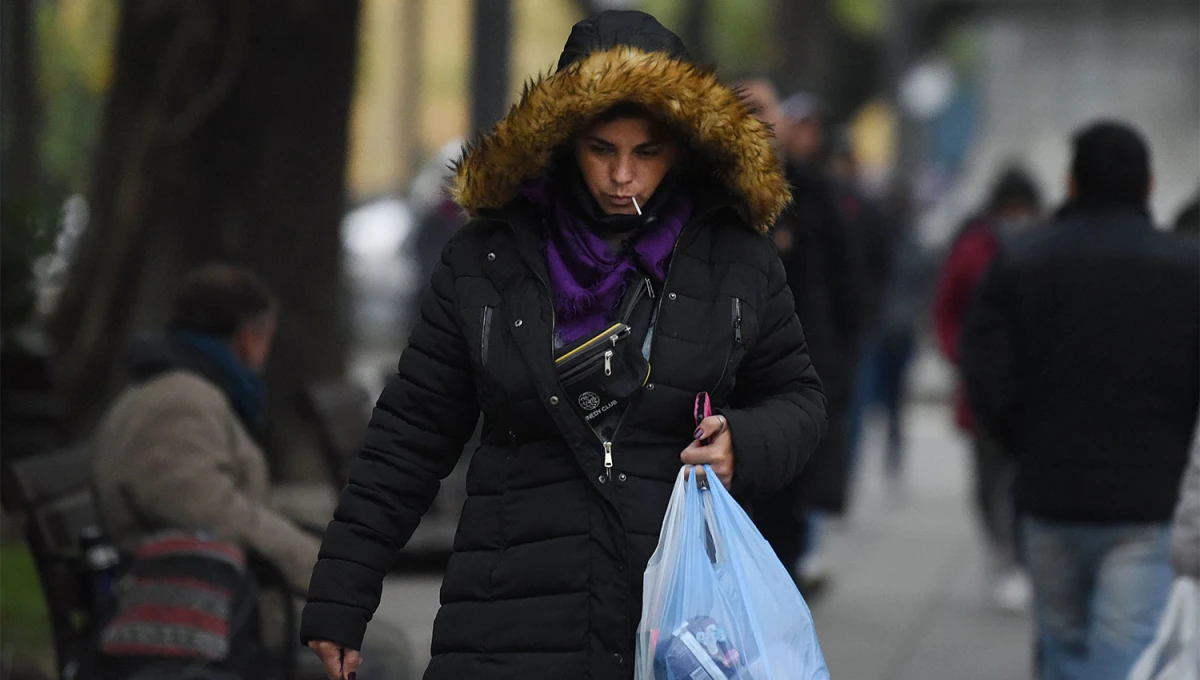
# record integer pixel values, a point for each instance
(312, 144)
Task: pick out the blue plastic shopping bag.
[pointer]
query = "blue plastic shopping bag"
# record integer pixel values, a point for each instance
(717, 602)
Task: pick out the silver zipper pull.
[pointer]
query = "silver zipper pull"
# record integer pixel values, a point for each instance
(608, 362)
(649, 287)
(737, 321)
(608, 464)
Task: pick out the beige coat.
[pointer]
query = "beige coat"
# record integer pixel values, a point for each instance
(171, 453)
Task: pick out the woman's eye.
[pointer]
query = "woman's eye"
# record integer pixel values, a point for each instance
(601, 150)
(652, 152)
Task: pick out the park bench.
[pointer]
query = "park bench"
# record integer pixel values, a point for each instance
(52, 493)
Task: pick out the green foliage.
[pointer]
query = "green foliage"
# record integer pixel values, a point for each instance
(74, 42)
(24, 627)
(740, 33)
(867, 18)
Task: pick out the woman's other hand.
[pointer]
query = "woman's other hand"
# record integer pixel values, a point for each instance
(718, 453)
(340, 662)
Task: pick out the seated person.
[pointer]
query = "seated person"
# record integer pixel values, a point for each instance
(179, 447)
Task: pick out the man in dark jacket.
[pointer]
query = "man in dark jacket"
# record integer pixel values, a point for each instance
(1081, 353)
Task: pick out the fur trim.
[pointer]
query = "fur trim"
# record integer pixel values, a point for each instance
(719, 125)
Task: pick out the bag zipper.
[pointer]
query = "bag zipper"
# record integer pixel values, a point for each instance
(608, 455)
(486, 322)
(610, 335)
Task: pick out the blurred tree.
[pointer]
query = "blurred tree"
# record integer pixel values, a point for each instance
(697, 19)
(19, 125)
(20, 211)
(224, 136)
(824, 47)
(491, 62)
(74, 70)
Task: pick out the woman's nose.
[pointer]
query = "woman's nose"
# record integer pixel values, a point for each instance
(622, 171)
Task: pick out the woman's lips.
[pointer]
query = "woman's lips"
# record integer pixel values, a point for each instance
(621, 200)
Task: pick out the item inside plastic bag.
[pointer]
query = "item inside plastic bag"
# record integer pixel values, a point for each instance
(718, 604)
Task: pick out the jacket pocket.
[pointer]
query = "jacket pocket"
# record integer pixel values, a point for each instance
(485, 322)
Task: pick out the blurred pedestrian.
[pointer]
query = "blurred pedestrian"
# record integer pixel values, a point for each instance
(895, 284)
(180, 448)
(891, 348)
(1014, 206)
(615, 266)
(1080, 353)
(1187, 222)
(436, 217)
(825, 272)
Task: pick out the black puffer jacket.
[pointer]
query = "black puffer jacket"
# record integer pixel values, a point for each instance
(546, 576)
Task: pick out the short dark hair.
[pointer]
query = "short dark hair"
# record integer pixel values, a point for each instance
(1111, 165)
(1014, 189)
(624, 110)
(219, 298)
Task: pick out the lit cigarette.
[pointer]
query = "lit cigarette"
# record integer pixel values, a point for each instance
(635, 205)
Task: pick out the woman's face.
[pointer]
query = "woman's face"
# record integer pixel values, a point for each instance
(623, 159)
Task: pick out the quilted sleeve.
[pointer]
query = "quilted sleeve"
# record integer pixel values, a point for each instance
(424, 417)
(778, 414)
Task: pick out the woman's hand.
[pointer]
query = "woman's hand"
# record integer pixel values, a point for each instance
(719, 451)
(340, 662)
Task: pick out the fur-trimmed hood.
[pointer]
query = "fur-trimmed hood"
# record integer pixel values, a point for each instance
(608, 61)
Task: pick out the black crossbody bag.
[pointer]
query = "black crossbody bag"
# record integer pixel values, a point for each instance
(601, 373)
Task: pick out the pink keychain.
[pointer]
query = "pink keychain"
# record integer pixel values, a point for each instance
(702, 410)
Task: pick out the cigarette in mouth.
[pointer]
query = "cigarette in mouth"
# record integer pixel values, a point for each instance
(635, 205)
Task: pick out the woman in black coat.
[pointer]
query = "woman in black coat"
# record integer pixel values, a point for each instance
(615, 266)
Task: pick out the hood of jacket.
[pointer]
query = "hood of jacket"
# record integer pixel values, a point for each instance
(626, 57)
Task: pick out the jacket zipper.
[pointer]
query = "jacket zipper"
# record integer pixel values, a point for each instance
(737, 340)
(486, 322)
(737, 321)
(608, 456)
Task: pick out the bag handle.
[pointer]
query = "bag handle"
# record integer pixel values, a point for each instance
(1177, 626)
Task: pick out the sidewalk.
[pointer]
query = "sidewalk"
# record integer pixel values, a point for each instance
(907, 600)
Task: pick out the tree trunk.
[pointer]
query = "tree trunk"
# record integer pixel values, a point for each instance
(225, 137)
(803, 44)
(817, 54)
(18, 93)
(491, 57)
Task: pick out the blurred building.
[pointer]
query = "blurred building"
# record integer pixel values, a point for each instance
(1045, 69)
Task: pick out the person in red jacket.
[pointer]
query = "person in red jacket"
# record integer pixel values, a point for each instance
(1015, 203)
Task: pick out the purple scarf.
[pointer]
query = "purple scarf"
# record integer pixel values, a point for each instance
(586, 277)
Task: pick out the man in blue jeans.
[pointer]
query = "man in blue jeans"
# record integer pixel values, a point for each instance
(1081, 353)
